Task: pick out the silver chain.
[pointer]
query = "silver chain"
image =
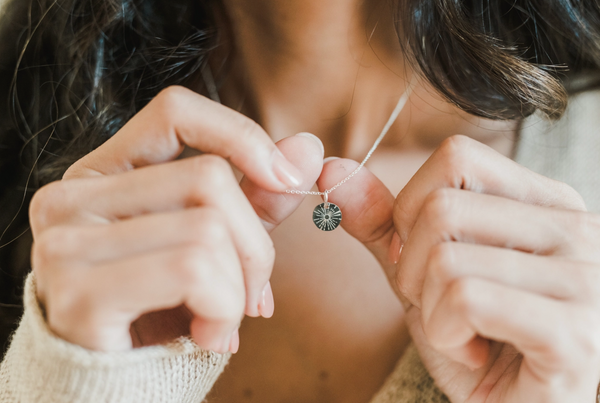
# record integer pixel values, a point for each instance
(399, 106)
(214, 95)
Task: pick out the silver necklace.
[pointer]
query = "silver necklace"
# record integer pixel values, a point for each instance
(328, 216)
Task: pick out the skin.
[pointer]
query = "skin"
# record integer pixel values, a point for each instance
(135, 247)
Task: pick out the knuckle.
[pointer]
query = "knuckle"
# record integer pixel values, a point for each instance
(463, 297)
(455, 159)
(456, 146)
(44, 203)
(441, 262)
(456, 151)
(263, 257)
(209, 233)
(457, 155)
(214, 171)
(195, 269)
(210, 229)
(440, 207)
(54, 245)
(171, 98)
(190, 265)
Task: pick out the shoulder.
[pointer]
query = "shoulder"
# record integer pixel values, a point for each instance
(566, 149)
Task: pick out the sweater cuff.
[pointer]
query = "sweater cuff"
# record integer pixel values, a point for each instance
(40, 367)
(410, 382)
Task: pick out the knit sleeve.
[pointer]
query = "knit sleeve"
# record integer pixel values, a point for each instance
(42, 368)
(410, 383)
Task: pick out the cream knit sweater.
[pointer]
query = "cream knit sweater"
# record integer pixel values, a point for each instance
(41, 368)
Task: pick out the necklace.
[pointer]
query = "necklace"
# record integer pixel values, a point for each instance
(327, 216)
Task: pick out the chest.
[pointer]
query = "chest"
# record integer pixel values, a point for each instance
(338, 329)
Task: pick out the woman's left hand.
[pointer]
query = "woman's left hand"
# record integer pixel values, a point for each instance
(499, 273)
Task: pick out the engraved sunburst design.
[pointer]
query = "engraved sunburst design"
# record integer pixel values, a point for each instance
(327, 219)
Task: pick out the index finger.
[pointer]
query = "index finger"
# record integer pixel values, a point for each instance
(177, 117)
(463, 163)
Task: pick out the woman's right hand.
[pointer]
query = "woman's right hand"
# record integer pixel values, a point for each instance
(133, 247)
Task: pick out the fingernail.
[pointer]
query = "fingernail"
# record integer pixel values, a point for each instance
(266, 307)
(287, 174)
(315, 138)
(234, 345)
(395, 249)
(326, 160)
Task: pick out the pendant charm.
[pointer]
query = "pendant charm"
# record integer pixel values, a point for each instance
(327, 216)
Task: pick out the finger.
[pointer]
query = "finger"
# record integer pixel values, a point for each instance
(366, 206)
(206, 181)
(458, 215)
(206, 277)
(447, 370)
(126, 238)
(473, 308)
(463, 163)
(305, 151)
(178, 117)
(549, 276)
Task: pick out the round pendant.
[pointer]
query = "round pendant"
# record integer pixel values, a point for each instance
(327, 219)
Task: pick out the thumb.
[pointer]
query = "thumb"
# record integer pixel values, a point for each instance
(305, 152)
(367, 207)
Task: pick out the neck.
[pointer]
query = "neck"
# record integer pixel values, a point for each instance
(335, 68)
(331, 67)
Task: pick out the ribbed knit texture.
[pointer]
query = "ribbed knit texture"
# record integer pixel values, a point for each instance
(42, 368)
(409, 383)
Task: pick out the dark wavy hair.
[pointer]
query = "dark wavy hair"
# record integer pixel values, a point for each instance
(72, 72)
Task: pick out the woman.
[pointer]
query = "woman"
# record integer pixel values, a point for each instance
(150, 236)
